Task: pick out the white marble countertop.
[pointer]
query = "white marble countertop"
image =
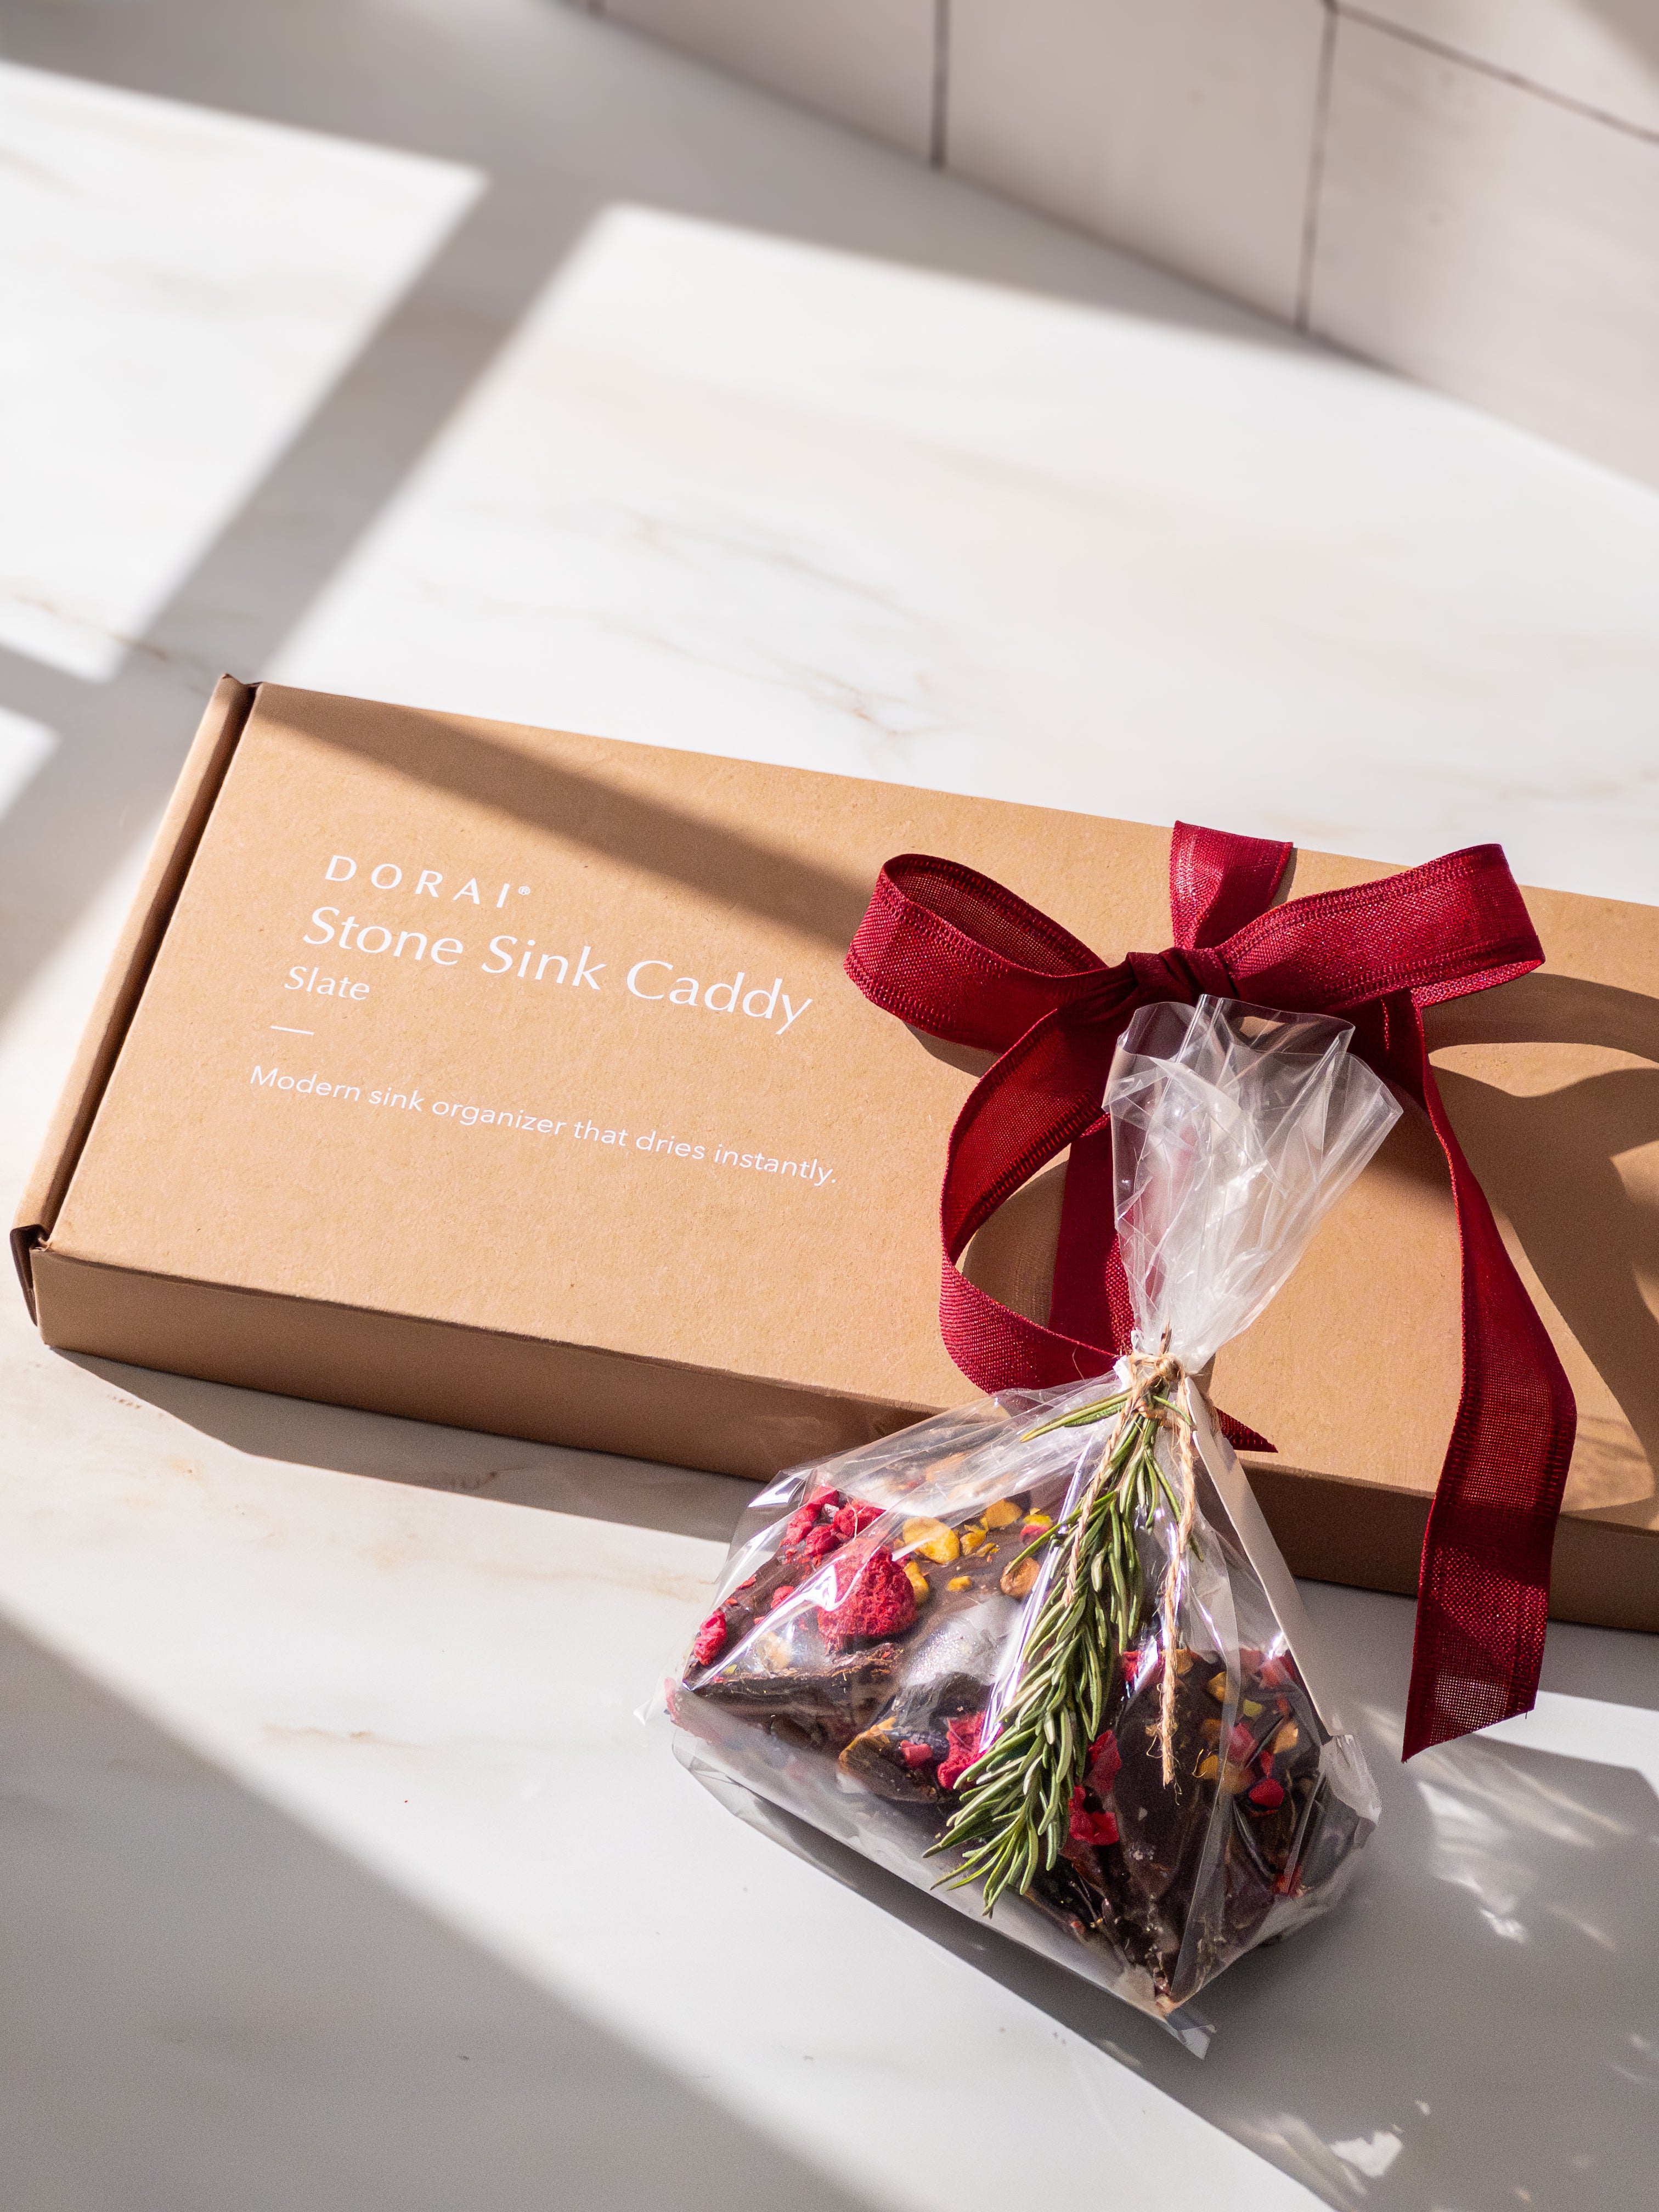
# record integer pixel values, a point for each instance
(477, 355)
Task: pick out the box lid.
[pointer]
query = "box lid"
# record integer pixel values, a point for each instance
(548, 1034)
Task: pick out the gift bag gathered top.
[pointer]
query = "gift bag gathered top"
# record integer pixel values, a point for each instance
(1041, 1653)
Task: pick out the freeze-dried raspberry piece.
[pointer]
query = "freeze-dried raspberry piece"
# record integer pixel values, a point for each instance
(877, 1600)
(803, 1522)
(819, 1545)
(1087, 1827)
(1268, 1795)
(710, 1641)
(914, 1753)
(965, 1735)
(857, 1513)
(783, 1590)
(1104, 1763)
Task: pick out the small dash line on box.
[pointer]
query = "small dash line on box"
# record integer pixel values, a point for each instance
(286, 1031)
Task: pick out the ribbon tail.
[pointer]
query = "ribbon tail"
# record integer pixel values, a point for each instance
(1483, 1596)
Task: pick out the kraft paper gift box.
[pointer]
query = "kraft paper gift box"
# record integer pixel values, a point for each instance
(510, 1078)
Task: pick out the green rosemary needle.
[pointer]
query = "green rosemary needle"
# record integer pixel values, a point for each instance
(1015, 1810)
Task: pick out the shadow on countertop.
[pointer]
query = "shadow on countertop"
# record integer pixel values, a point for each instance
(1476, 2020)
(632, 1493)
(209, 2007)
(1474, 2026)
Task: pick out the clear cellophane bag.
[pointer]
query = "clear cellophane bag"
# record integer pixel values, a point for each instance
(895, 1627)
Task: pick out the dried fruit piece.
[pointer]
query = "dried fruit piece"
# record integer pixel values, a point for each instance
(1276, 1674)
(964, 1736)
(1087, 1827)
(1217, 1686)
(857, 1513)
(914, 1753)
(1183, 1661)
(819, 1545)
(1287, 1740)
(960, 1581)
(1033, 1525)
(973, 1536)
(918, 1581)
(933, 1541)
(1105, 1762)
(1236, 1779)
(1002, 1515)
(1018, 1576)
(1267, 1794)
(1240, 1744)
(800, 1526)
(1208, 1767)
(879, 1602)
(710, 1640)
(1252, 1708)
(783, 1590)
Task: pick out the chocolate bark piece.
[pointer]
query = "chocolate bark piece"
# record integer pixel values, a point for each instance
(876, 1759)
(826, 1699)
(948, 1664)
(780, 1572)
(1180, 1895)
(956, 1652)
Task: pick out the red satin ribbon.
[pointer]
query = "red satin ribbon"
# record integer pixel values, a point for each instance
(956, 955)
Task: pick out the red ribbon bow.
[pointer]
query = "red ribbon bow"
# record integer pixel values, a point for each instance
(956, 955)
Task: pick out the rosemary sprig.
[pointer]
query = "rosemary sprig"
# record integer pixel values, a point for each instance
(1015, 1809)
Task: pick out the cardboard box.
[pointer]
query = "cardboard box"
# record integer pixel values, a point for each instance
(510, 1078)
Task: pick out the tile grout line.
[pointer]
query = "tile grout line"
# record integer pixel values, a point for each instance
(1316, 169)
(936, 139)
(1495, 71)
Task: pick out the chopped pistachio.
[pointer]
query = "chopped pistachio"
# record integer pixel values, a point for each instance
(1018, 1576)
(933, 1541)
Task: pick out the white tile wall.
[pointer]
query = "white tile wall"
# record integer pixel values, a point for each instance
(1184, 128)
(1602, 53)
(870, 63)
(1466, 190)
(1492, 242)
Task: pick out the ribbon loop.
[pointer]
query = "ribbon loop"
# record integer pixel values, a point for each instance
(958, 955)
